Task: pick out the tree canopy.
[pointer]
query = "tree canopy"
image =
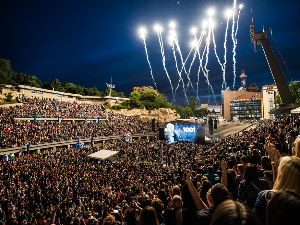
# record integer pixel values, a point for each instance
(8, 76)
(295, 91)
(6, 72)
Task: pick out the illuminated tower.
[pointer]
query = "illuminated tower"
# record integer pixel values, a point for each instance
(243, 77)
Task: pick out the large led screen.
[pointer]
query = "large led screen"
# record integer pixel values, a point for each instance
(179, 131)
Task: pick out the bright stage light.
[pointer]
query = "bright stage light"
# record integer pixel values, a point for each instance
(211, 12)
(172, 24)
(207, 40)
(241, 6)
(204, 32)
(193, 30)
(142, 31)
(228, 13)
(158, 28)
(193, 43)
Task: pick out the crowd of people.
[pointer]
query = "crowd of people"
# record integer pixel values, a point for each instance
(52, 108)
(19, 133)
(252, 177)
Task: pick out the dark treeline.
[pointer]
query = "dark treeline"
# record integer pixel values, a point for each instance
(8, 76)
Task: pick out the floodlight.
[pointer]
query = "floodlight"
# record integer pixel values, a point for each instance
(241, 6)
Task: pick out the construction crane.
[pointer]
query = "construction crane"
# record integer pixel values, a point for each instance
(261, 38)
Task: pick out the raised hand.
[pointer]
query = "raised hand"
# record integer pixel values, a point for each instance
(223, 165)
(273, 153)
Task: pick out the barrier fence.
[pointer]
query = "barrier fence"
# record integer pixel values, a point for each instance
(95, 141)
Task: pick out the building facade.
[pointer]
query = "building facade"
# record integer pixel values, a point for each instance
(247, 107)
(269, 96)
(244, 104)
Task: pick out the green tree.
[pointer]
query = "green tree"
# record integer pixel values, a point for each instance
(114, 93)
(47, 85)
(57, 85)
(92, 91)
(161, 102)
(6, 72)
(73, 88)
(192, 104)
(201, 112)
(295, 91)
(8, 97)
(184, 112)
(24, 79)
(117, 94)
(148, 94)
(33, 81)
(134, 101)
(20, 78)
(278, 100)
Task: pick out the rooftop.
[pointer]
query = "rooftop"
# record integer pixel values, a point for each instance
(253, 87)
(249, 97)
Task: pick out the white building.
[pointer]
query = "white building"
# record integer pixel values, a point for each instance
(269, 93)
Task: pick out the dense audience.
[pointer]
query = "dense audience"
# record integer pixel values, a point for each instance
(51, 108)
(249, 178)
(20, 133)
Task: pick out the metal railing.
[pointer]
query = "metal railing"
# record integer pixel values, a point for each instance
(38, 147)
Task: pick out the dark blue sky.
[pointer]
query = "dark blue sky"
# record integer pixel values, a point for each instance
(86, 42)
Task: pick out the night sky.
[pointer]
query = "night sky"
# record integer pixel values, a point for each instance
(87, 42)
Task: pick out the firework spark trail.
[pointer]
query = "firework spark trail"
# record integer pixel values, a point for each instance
(179, 51)
(200, 68)
(237, 23)
(234, 47)
(179, 74)
(203, 70)
(161, 44)
(190, 67)
(205, 66)
(182, 69)
(215, 49)
(224, 84)
(200, 61)
(234, 43)
(147, 56)
(174, 40)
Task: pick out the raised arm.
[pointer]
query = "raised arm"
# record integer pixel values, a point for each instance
(198, 201)
(224, 173)
(275, 156)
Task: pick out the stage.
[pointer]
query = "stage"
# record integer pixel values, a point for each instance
(103, 154)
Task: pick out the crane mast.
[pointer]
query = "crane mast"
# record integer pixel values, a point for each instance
(261, 38)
